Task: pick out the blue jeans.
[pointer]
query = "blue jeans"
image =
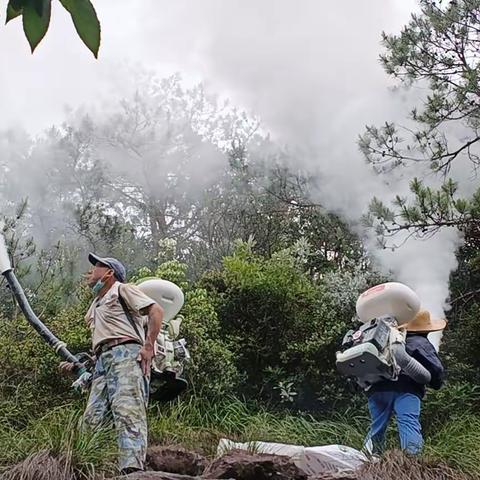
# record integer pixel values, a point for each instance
(406, 407)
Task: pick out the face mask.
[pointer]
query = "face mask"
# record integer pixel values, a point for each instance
(98, 286)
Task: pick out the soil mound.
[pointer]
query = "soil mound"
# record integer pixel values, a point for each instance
(243, 465)
(175, 460)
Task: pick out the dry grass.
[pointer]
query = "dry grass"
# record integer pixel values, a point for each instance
(395, 465)
(40, 466)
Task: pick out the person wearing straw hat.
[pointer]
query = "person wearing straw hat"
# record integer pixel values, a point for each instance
(403, 397)
(423, 323)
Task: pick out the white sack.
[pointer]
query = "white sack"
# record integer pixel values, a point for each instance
(312, 460)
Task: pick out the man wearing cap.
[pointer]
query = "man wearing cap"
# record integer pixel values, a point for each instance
(124, 353)
(402, 398)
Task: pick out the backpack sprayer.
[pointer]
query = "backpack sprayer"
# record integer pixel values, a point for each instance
(376, 350)
(170, 352)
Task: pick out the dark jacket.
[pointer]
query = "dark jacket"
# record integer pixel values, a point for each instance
(419, 347)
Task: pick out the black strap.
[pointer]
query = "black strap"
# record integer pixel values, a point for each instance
(128, 313)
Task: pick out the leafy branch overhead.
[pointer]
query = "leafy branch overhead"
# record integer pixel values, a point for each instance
(36, 20)
(429, 210)
(438, 49)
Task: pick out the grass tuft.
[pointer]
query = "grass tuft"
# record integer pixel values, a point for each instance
(58, 439)
(457, 442)
(195, 422)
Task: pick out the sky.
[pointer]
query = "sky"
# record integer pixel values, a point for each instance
(226, 43)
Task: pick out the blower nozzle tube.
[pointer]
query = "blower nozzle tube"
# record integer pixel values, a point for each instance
(411, 367)
(17, 290)
(36, 323)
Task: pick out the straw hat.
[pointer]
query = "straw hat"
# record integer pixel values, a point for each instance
(424, 323)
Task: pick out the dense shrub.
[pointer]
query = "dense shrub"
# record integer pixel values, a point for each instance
(283, 326)
(461, 344)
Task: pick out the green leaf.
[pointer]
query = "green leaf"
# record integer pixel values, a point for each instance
(35, 25)
(14, 9)
(86, 22)
(11, 14)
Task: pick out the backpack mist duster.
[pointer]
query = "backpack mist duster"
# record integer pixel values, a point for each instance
(171, 352)
(376, 350)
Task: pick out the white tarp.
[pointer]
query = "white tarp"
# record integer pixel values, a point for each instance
(312, 460)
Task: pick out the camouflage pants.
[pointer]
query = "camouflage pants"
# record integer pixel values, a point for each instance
(119, 393)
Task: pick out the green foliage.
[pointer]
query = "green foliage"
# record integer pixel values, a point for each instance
(14, 9)
(462, 344)
(175, 272)
(213, 371)
(261, 328)
(281, 325)
(457, 442)
(428, 210)
(199, 424)
(36, 19)
(453, 400)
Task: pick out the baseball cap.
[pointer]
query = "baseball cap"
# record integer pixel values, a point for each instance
(117, 266)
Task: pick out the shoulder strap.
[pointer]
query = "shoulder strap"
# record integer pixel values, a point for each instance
(127, 312)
